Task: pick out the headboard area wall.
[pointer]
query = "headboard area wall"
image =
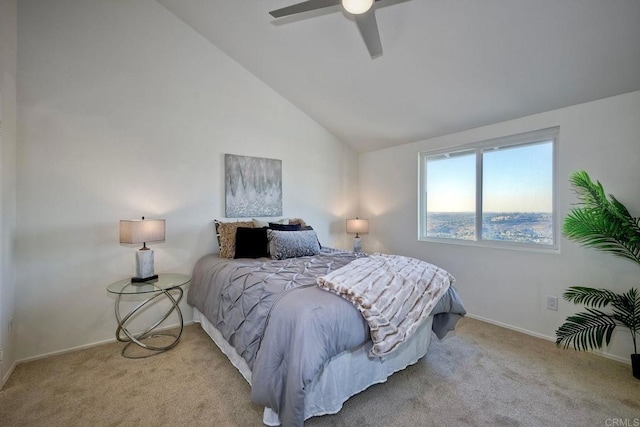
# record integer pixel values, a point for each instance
(125, 111)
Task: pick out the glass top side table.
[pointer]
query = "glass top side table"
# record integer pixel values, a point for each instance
(167, 286)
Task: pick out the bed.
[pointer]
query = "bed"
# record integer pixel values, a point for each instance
(303, 350)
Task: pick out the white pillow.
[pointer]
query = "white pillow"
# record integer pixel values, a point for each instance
(260, 224)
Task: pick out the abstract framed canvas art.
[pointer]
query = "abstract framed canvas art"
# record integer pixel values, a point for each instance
(253, 186)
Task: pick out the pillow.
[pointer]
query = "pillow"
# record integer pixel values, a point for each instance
(251, 242)
(285, 227)
(308, 227)
(291, 244)
(297, 221)
(227, 236)
(259, 224)
(217, 224)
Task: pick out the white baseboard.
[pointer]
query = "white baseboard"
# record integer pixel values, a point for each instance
(545, 337)
(85, 346)
(8, 374)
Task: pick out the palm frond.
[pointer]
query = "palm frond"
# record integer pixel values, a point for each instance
(589, 296)
(588, 192)
(586, 331)
(626, 311)
(603, 223)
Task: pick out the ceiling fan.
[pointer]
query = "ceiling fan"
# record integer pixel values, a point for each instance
(362, 10)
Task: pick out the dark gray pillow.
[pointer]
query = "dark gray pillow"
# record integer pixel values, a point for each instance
(292, 244)
(285, 227)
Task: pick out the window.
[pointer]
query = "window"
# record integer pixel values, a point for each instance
(498, 192)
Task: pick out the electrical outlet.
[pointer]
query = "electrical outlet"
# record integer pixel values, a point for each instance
(552, 303)
(1, 356)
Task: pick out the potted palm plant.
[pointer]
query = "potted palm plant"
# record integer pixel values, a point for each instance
(605, 224)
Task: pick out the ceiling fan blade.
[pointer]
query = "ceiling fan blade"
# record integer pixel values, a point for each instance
(369, 30)
(305, 6)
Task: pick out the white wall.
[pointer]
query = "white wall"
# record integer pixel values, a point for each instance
(8, 64)
(508, 286)
(125, 111)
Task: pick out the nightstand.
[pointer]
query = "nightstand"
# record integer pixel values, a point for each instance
(167, 286)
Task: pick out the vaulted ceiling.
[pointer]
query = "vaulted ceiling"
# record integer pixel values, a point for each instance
(448, 65)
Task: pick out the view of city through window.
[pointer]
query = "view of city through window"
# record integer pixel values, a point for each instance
(516, 194)
(531, 227)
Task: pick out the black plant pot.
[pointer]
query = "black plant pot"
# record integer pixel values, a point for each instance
(635, 365)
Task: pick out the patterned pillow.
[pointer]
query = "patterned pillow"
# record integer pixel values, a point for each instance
(227, 236)
(291, 244)
(308, 227)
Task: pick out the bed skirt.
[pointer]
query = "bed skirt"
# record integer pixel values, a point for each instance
(342, 376)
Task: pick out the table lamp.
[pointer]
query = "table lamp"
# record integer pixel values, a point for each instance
(357, 226)
(143, 231)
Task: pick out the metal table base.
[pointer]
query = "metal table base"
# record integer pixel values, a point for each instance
(131, 338)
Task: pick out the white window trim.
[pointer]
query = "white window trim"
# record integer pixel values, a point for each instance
(513, 140)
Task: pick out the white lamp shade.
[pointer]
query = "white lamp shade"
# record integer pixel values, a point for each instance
(142, 230)
(357, 7)
(357, 226)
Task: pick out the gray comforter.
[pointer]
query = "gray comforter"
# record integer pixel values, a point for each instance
(283, 325)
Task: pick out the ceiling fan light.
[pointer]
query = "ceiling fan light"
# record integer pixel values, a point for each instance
(357, 7)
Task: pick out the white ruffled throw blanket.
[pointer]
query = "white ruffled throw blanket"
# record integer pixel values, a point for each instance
(393, 293)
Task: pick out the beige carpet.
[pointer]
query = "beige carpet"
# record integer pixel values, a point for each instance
(480, 375)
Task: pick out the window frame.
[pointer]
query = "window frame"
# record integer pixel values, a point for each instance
(522, 139)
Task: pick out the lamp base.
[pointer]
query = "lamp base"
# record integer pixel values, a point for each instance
(143, 279)
(357, 245)
(144, 266)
